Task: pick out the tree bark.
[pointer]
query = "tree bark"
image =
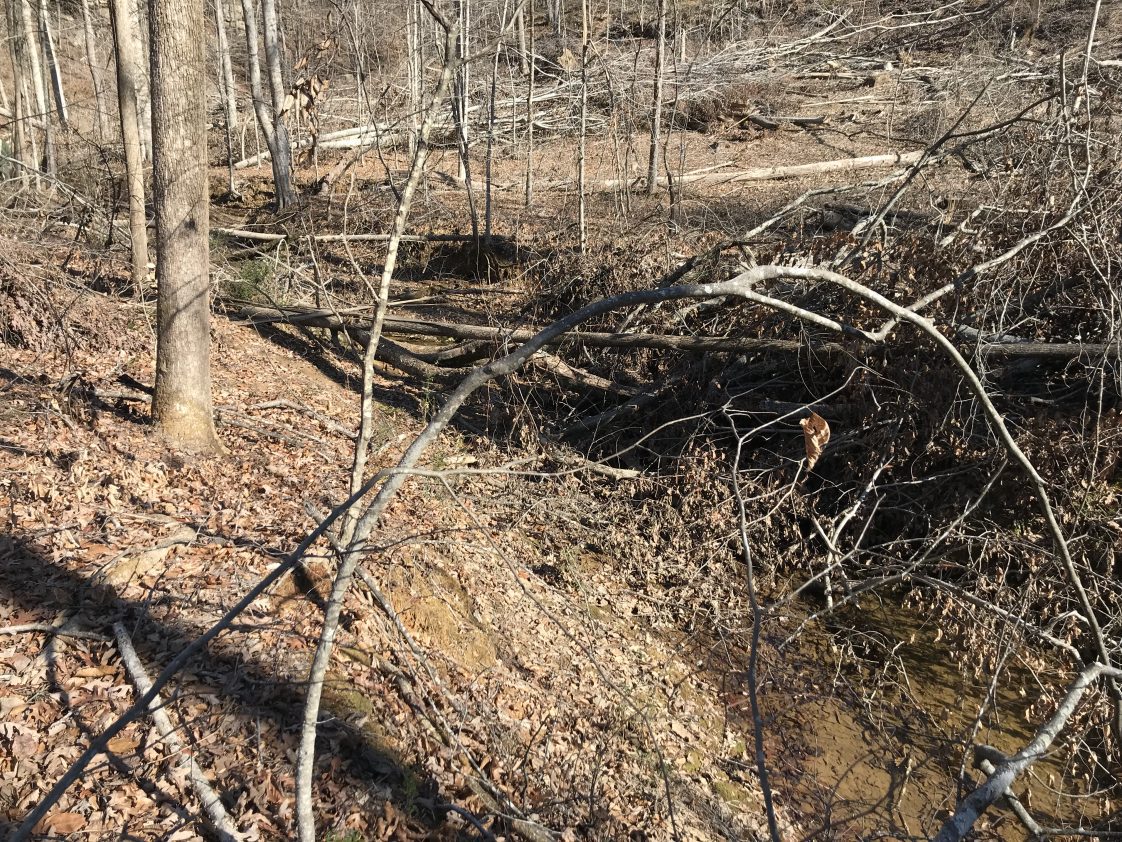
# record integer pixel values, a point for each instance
(17, 51)
(656, 104)
(520, 31)
(143, 83)
(280, 160)
(282, 155)
(181, 404)
(51, 59)
(127, 39)
(229, 93)
(414, 67)
(42, 107)
(95, 73)
(226, 67)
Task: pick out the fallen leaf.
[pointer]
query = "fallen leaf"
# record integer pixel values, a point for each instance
(816, 434)
(62, 823)
(122, 745)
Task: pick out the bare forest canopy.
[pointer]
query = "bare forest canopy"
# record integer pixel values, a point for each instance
(545, 420)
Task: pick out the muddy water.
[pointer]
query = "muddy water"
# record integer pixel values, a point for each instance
(858, 762)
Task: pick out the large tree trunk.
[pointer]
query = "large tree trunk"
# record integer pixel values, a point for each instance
(127, 39)
(281, 158)
(182, 402)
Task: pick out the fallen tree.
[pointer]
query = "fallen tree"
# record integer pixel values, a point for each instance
(399, 326)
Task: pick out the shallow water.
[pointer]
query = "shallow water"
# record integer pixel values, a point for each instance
(872, 742)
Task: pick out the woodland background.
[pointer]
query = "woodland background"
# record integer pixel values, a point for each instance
(633, 421)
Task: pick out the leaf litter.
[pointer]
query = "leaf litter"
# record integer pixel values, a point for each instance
(515, 685)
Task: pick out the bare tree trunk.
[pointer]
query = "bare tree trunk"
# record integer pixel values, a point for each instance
(140, 76)
(95, 73)
(305, 818)
(656, 104)
(490, 159)
(520, 29)
(51, 59)
(181, 403)
(582, 210)
(463, 79)
(282, 175)
(282, 154)
(530, 113)
(460, 103)
(42, 106)
(226, 67)
(414, 70)
(127, 39)
(21, 134)
(229, 93)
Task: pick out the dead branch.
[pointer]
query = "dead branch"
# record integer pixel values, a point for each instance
(43, 628)
(972, 807)
(326, 420)
(276, 237)
(633, 404)
(777, 173)
(417, 327)
(562, 369)
(986, 758)
(212, 804)
(400, 326)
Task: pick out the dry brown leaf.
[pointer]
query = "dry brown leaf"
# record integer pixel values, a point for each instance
(122, 745)
(816, 434)
(62, 823)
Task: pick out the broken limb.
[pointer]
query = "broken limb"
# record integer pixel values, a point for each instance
(972, 807)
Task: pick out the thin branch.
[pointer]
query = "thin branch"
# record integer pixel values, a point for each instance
(43, 628)
(220, 820)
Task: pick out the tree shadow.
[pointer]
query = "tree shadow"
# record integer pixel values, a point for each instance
(35, 589)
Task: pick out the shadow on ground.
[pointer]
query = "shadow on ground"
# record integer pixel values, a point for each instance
(35, 589)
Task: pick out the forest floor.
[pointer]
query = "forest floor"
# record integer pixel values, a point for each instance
(541, 666)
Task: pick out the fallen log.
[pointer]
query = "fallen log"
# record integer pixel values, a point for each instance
(388, 352)
(416, 327)
(778, 173)
(399, 326)
(276, 237)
